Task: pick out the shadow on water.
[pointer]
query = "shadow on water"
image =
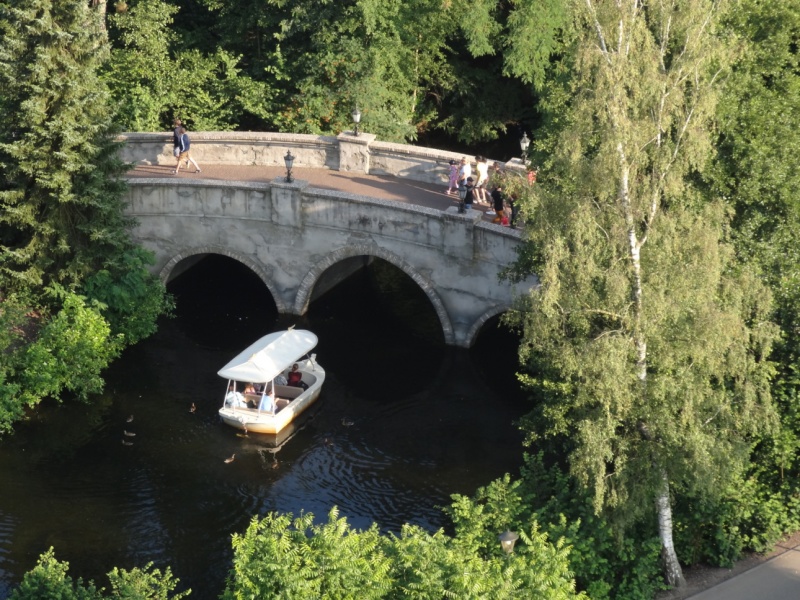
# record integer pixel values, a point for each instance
(403, 422)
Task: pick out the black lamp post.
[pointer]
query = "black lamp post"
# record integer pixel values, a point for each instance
(524, 142)
(507, 541)
(289, 160)
(356, 114)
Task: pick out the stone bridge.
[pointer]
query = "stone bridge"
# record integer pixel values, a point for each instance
(290, 234)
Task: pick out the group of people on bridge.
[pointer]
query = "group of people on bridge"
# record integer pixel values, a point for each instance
(502, 206)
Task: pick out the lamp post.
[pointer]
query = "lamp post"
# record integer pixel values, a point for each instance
(507, 541)
(524, 142)
(356, 114)
(462, 195)
(289, 160)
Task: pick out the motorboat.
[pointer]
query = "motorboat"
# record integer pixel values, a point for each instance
(258, 397)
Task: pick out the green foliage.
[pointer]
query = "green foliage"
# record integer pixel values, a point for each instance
(148, 583)
(141, 74)
(749, 514)
(648, 344)
(756, 152)
(71, 351)
(16, 325)
(62, 226)
(604, 564)
(410, 66)
(152, 80)
(68, 352)
(281, 557)
(49, 580)
(130, 298)
(383, 56)
(53, 142)
(753, 169)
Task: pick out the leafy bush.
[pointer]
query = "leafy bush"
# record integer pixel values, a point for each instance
(49, 579)
(604, 564)
(280, 557)
(131, 299)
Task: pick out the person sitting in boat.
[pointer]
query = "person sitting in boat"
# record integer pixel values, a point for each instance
(281, 380)
(268, 401)
(234, 398)
(251, 394)
(295, 377)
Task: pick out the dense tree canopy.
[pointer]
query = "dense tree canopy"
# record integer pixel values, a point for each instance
(412, 67)
(652, 343)
(74, 288)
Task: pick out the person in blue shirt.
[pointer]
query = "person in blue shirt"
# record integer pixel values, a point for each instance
(185, 143)
(267, 401)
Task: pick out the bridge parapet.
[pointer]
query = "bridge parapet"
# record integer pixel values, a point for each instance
(345, 152)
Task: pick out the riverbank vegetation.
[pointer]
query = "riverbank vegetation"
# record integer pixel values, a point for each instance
(660, 350)
(74, 288)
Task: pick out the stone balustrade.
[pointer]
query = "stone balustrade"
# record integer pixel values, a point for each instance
(345, 152)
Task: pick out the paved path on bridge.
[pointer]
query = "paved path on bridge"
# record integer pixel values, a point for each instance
(384, 187)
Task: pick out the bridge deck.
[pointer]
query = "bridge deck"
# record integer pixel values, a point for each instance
(384, 187)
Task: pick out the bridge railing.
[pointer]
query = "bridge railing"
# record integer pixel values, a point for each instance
(345, 152)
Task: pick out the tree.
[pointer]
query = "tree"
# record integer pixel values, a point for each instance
(61, 206)
(648, 342)
(754, 170)
(152, 80)
(65, 243)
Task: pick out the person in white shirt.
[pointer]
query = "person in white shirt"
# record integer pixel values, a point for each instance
(234, 398)
(482, 166)
(464, 172)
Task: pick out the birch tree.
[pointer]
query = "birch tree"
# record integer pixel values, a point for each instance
(648, 341)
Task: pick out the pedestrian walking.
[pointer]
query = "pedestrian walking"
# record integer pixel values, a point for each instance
(184, 154)
(482, 167)
(464, 171)
(176, 139)
(511, 201)
(452, 184)
(498, 205)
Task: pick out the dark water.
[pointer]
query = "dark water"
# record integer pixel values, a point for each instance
(428, 421)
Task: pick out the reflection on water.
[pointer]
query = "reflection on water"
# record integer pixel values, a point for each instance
(402, 423)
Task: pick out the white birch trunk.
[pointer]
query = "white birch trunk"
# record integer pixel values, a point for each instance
(673, 574)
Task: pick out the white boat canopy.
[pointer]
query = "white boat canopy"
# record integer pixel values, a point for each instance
(266, 358)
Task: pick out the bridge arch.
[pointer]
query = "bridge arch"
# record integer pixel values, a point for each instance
(304, 291)
(166, 272)
(480, 321)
